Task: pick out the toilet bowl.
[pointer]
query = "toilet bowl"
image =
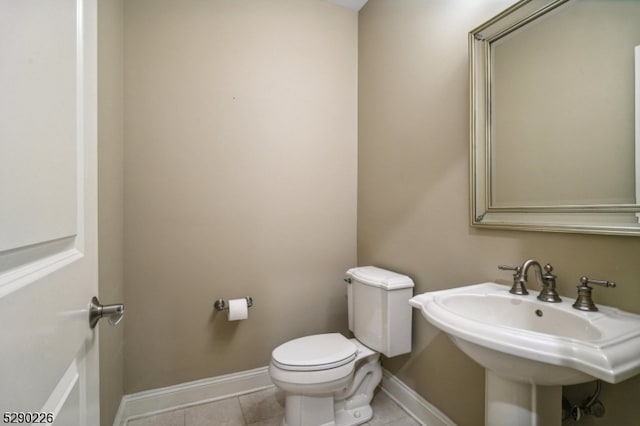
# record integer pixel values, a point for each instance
(314, 364)
(328, 379)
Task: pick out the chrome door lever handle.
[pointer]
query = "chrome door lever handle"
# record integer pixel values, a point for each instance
(97, 311)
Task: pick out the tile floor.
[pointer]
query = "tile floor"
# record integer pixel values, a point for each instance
(262, 408)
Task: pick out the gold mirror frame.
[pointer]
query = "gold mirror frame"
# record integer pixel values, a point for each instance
(614, 219)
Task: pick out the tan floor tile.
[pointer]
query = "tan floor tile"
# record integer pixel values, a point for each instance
(262, 405)
(263, 408)
(385, 410)
(404, 421)
(171, 418)
(275, 421)
(226, 412)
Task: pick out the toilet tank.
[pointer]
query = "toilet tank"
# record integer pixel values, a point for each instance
(379, 310)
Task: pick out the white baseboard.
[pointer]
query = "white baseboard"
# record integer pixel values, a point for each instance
(183, 395)
(419, 408)
(160, 400)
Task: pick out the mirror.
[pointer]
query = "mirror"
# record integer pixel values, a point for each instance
(555, 135)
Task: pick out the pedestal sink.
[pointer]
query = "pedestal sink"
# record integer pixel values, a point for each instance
(530, 348)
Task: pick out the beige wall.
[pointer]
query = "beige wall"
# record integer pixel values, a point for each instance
(240, 180)
(110, 199)
(413, 208)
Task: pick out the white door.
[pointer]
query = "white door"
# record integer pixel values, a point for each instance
(637, 145)
(48, 241)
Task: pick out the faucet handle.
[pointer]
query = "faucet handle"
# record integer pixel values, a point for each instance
(584, 302)
(584, 281)
(509, 268)
(518, 286)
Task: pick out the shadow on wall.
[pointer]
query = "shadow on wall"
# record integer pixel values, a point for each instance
(423, 370)
(221, 328)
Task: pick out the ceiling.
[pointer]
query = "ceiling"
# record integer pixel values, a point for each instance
(349, 4)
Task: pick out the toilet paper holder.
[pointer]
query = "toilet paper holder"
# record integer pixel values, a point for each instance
(222, 305)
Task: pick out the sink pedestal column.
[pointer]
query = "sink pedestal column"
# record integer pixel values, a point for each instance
(508, 403)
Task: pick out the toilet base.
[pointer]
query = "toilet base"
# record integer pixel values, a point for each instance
(348, 407)
(304, 410)
(354, 416)
(319, 411)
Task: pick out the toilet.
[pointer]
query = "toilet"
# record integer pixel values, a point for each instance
(328, 379)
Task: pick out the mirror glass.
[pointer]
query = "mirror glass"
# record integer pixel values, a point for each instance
(554, 124)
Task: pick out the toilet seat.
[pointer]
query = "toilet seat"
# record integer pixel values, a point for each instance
(314, 353)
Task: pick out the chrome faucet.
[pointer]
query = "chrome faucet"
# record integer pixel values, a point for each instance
(546, 280)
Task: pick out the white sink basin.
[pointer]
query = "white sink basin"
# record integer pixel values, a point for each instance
(526, 340)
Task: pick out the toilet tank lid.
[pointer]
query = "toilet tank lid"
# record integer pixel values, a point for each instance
(378, 277)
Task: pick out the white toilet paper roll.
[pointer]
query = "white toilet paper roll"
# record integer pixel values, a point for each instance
(238, 309)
